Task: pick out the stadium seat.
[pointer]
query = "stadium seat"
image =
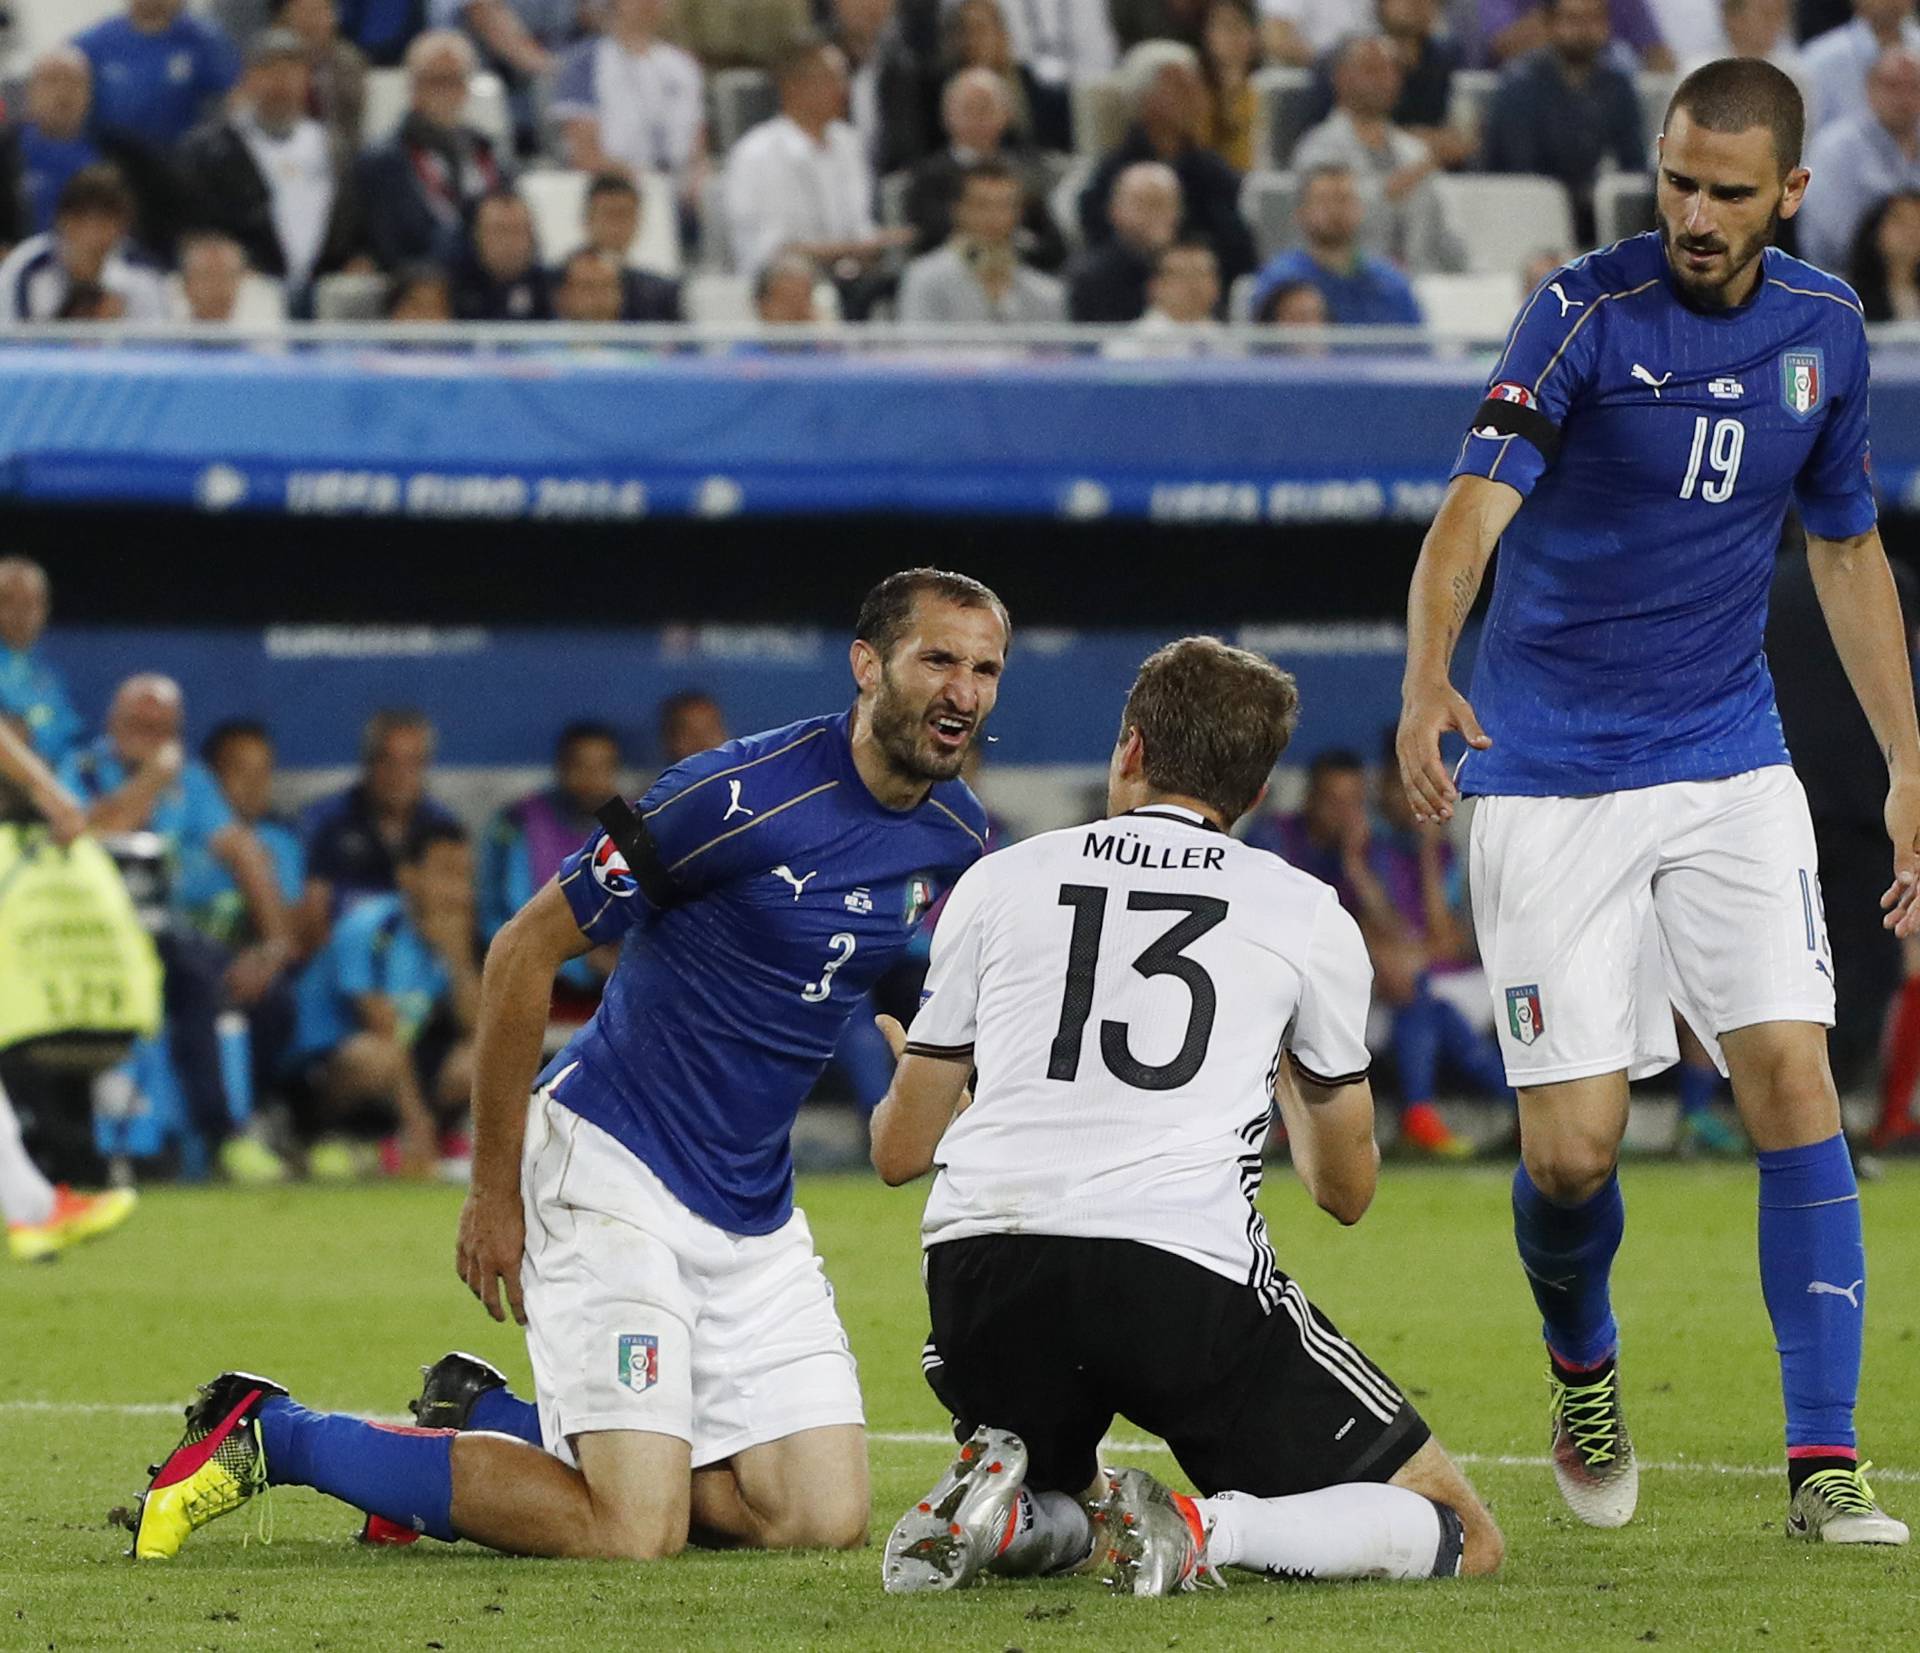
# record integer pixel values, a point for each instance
(1482, 305)
(742, 98)
(557, 200)
(1472, 92)
(1622, 205)
(1483, 209)
(1285, 101)
(1656, 92)
(716, 246)
(487, 108)
(1101, 110)
(349, 297)
(263, 302)
(711, 300)
(38, 24)
(1267, 200)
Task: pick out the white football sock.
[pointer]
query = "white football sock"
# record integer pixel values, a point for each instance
(25, 1195)
(1051, 1533)
(1361, 1530)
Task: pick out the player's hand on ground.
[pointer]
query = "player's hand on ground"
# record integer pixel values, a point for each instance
(1902, 900)
(1427, 713)
(493, 1233)
(893, 1033)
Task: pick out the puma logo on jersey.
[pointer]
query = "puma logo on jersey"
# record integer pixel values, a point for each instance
(799, 884)
(1647, 378)
(734, 805)
(1566, 303)
(1820, 1288)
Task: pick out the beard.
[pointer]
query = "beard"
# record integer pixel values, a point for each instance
(1707, 289)
(902, 732)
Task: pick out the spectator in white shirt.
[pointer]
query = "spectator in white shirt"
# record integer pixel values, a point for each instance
(1183, 302)
(1063, 42)
(629, 102)
(800, 182)
(82, 263)
(977, 278)
(1837, 63)
(1298, 31)
(783, 293)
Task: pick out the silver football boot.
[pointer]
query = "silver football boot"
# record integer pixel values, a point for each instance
(1150, 1540)
(1836, 1506)
(946, 1539)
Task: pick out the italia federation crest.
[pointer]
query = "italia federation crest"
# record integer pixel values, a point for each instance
(610, 869)
(1803, 381)
(639, 1361)
(1524, 1020)
(919, 899)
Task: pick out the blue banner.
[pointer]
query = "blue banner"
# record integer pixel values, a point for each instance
(624, 435)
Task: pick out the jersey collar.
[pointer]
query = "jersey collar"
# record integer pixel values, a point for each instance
(1176, 812)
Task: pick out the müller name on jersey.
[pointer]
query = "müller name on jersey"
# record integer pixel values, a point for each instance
(1129, 851)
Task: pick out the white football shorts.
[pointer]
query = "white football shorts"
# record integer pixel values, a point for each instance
(643, 1316)
(1598, 917)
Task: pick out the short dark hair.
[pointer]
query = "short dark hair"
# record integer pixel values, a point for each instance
(1213, 721)
(422, 273)
(223, 735)
(579, 731)
(682, 701)
(992, 170)
(1735, 94)
(797, 54)
(424, 836)
(1189, 245)
(98, 190)
(565, 270)
(390, 720)
(1335, 760)
(1271, 301)
(611, 183)
(498, 194)
(887, 609)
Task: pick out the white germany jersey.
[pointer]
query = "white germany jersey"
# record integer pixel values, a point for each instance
(1127, 990)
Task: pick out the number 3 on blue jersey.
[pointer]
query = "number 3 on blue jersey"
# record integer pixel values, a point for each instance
(843, 945)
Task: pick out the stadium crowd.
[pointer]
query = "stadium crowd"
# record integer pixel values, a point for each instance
(321, 970)
(1169, 163)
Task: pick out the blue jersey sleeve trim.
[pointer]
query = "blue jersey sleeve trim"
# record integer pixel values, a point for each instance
(763, 817)
(962, 825)
(722, 774)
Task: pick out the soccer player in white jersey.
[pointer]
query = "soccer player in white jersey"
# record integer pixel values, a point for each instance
(1136, 995)
(1639, 836)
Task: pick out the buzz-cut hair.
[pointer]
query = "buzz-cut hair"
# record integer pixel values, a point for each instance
(887, 610)
(1736, 94)
(1212, 720)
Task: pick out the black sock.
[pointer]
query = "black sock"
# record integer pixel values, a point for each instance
(1800, 1467)
(1577, 1377)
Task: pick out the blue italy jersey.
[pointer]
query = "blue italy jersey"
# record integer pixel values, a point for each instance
(1657, 448)
(785, 891)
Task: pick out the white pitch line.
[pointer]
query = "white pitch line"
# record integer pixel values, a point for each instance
(1499, 1460)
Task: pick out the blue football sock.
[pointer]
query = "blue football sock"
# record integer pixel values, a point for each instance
(405, 1475)
(1567, 1251)
(1698, 1087)
(1416, 1048)
(1813, 1268)
(505, 1413)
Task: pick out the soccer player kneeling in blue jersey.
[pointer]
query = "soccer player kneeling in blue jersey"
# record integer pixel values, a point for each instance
(691, 1374)
(1639, 837)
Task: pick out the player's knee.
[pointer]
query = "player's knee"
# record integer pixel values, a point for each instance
(641, 1535)
(1569, 1169)
(830, 1522)
(1485, 1548)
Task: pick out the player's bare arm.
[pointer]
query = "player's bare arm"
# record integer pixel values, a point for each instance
(1862, 609)
(1446, 579)
(514, 991)
(1330, 1134)
(927, 1091)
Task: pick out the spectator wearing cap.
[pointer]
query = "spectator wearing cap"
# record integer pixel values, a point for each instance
(31, 690)
(499, 277)
(628, 101)
(1170, 121)
(157, 69)
(353, 836)
(1108, 283)
(1563, 111)
(802, 182)
(977, 278)
(1360, 290)
(1393, 169)
(419, 188)
(83, 265)
(268, 175)
(611, 218)
(1863, 160)
(58, 137)
(976, 113)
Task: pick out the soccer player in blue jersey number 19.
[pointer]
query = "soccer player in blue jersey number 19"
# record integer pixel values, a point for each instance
(691, 1373)
(1639, 838)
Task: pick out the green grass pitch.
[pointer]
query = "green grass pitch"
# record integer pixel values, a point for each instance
(341, 1294)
